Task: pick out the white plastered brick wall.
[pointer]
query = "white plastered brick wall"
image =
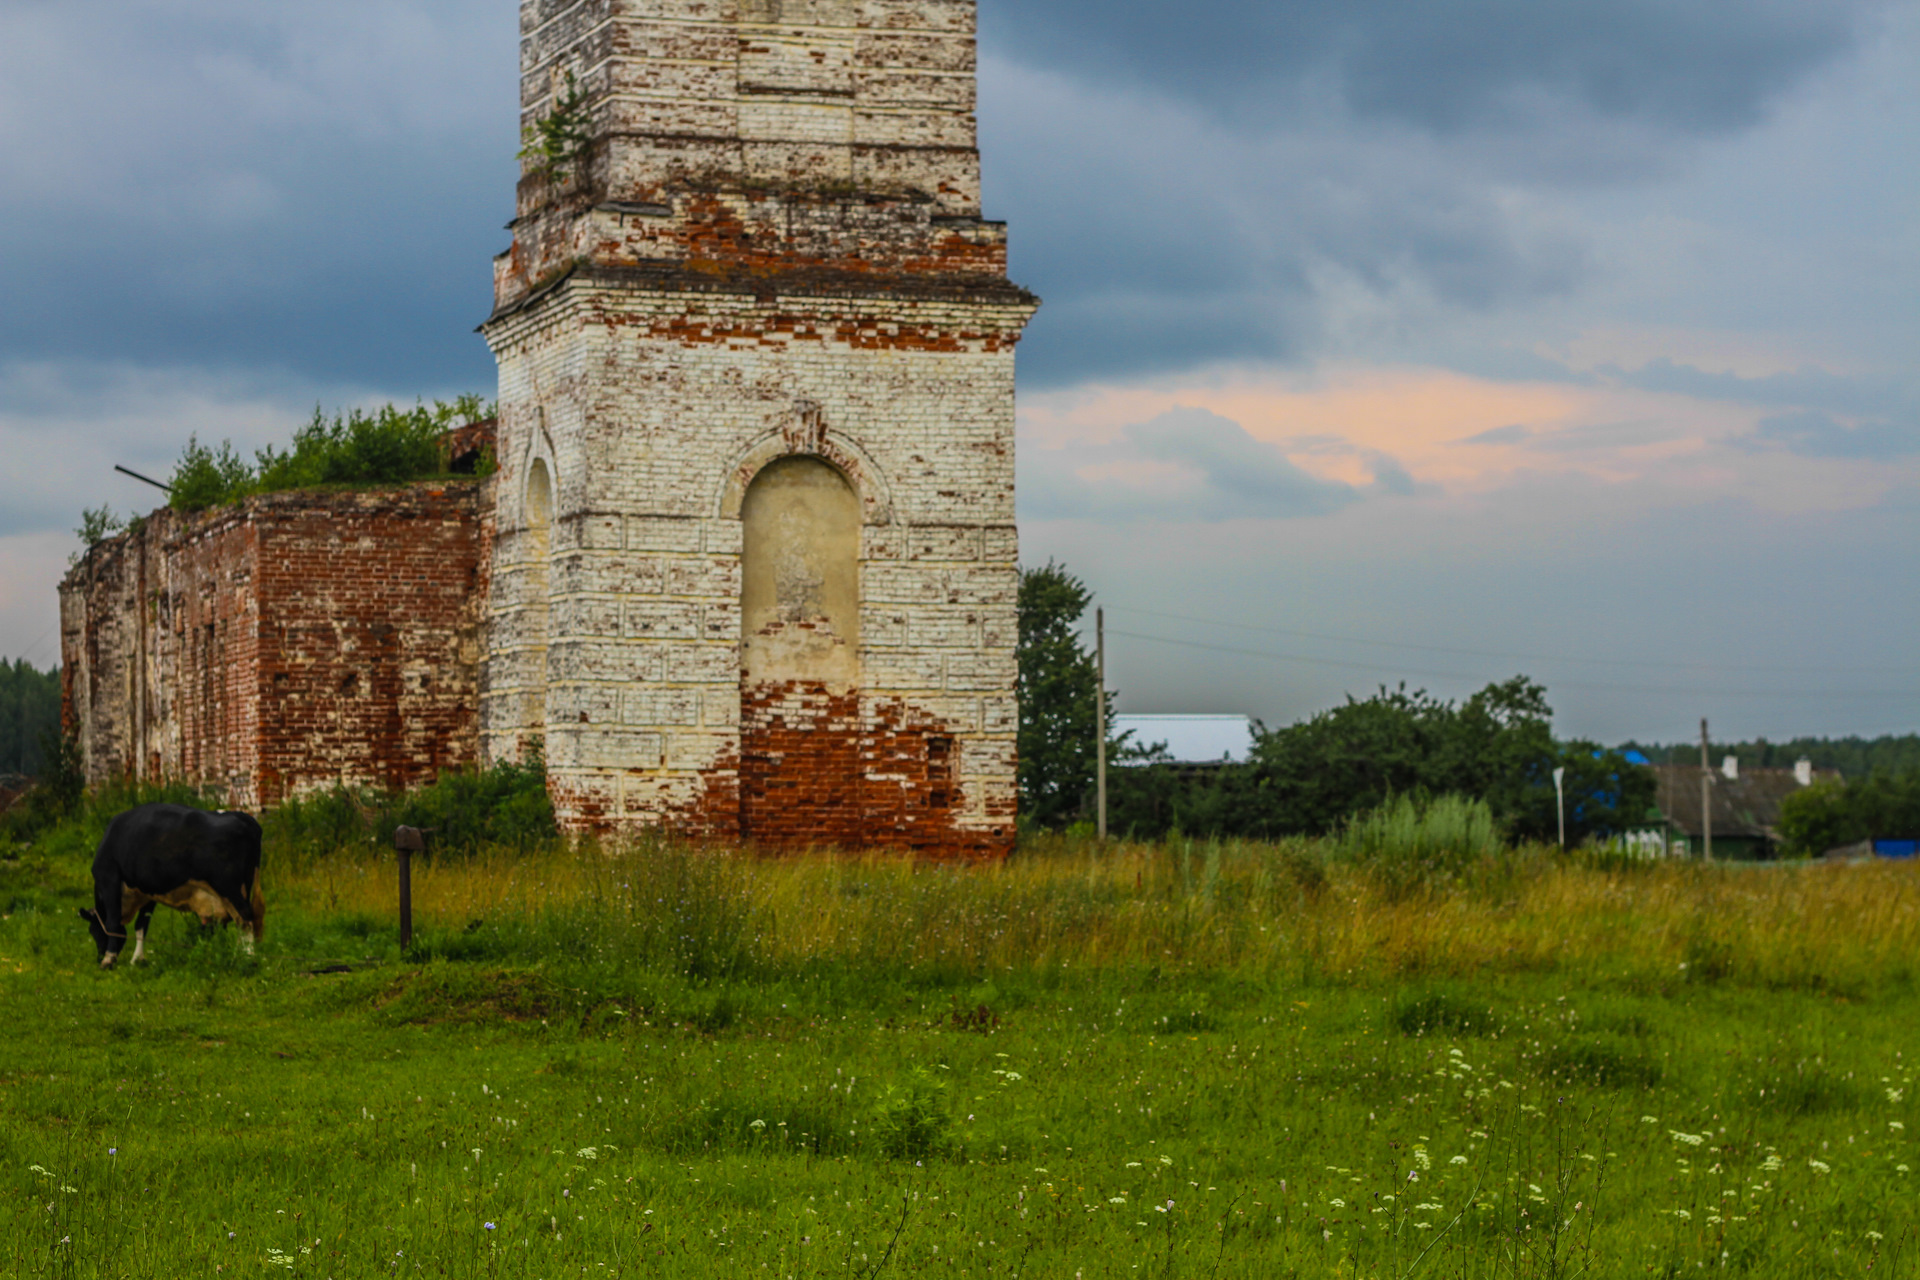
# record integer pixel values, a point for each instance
(648, 436)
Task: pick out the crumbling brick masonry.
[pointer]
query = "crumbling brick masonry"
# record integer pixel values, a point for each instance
(296, 641)
(756, 563)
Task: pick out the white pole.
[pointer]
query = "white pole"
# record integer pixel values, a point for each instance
(1706, 797)
(1100, 722)
(1560, 802)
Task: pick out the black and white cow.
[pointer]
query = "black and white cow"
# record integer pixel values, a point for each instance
(192, 860)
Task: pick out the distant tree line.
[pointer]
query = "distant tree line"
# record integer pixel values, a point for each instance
(1855, 758)
(1308, 778)
(29, 717)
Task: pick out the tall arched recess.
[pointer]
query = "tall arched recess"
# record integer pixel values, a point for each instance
(800, 656)
(539, 543)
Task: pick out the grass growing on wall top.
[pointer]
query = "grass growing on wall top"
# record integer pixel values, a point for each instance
(1193, 1059)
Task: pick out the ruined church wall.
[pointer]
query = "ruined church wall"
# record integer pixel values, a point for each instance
(160, 653)
(658, 408)
(297, 641)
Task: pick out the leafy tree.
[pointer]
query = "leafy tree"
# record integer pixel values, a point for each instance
(1057, 683)
(1309, 778)
(1830, 814)
(98, 524)
(1818, 818)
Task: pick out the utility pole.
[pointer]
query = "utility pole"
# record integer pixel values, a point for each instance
(1706, 795)
(1560, 803)
(1100, 724)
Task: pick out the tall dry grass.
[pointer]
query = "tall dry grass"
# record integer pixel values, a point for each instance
(1267, 909)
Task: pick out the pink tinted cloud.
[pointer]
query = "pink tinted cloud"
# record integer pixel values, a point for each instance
(1461, 437)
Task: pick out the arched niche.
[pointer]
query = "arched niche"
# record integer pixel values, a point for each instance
(800, 577)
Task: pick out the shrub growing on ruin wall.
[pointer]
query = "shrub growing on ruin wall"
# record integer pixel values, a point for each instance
(387, 446)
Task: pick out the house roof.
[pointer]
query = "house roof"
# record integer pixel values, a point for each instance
(1747, 805)
(1191, 739)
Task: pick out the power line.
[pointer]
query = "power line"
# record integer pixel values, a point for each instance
(1514, 657)
(27, 654)
(1558, 684)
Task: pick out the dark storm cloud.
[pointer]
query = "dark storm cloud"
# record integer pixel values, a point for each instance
(316, 189)
(319, 188)
(1214, 470)
(1249, 180)
(1160, 242)
(1440, 64)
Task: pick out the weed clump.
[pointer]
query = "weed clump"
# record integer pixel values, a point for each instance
(1607, 1066)
(1815, 1091)
(1413, 844)
(910, 1121)
(1439, 1012)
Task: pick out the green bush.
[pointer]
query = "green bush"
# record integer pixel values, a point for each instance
(1414, 843)
(504, 805)
(387, 446)
(1830, 814)
(207, 477)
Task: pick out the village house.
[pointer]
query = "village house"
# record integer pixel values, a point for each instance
(1745, 806)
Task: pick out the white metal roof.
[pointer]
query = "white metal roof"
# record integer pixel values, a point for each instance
(1191, 739)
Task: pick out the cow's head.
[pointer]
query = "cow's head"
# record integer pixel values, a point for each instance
(107, 944)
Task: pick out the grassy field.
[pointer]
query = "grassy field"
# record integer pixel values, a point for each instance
(1195, 1060)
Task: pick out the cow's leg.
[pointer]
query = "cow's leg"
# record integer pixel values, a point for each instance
(258, 906)
(109, 908)
(140, 932)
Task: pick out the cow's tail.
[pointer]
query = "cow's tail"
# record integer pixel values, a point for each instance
(258, 905)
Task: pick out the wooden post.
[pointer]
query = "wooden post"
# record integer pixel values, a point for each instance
(1706, 796)
(407, 841)
(1100, 724)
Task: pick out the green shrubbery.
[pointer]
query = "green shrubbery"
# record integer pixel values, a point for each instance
(1310, 778)
(1412, 843)
(387, 446)
(1830, 814)
(505, 805)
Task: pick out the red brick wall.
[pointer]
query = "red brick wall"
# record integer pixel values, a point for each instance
(369, 636)
(297, 641)
(819, 768)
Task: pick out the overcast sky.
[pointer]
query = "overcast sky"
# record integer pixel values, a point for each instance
(1383, 339)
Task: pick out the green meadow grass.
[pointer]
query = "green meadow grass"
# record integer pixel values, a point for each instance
(1185, 1060)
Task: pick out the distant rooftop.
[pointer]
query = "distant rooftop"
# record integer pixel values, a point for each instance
(1192, 739)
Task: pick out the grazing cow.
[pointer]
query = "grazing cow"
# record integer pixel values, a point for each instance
(192, 860)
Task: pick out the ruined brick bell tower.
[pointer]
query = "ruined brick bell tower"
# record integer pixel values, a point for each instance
(755, 566)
